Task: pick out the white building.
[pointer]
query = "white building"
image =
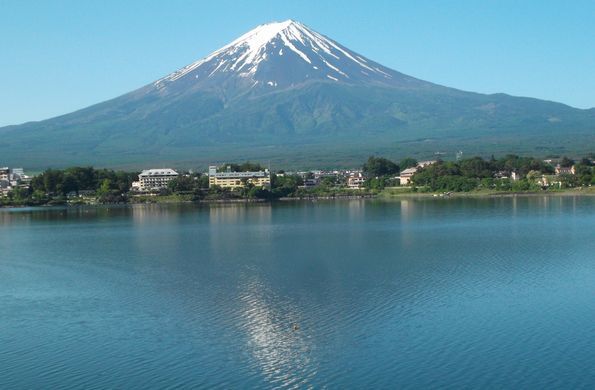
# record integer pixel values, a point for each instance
(423, 164)
(154, 179)
(356, 180)
(11, 178)
(18, 177)
(17, 172)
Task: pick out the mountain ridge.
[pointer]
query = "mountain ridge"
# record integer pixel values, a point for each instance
(283, 86)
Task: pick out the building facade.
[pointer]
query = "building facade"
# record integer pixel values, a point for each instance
(565, 170)
(11, 178)
(423, 164)
(233, 180)
(154, 179)
(5, 174)
(406, 174)
(405, 177)
(356, 180)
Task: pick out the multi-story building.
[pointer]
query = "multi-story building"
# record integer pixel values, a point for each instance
(406, 174)
(11, 178)
(5, 173)
(18, 177)
(356, 180)
(5, 187)
(565, 170)
(232, 180)
(17, 172)
(311, 183)
(154, 179)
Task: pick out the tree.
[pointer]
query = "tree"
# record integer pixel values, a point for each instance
(259, 193)
(475, 167)
(407, 163)
(521, 165)
(70, 184)
(285, 185)
(52, 181)
(378, 166)
(104, 188)
(375, 184)
(39, 197)
(584, 173)
(566, 162)
(181, 184)
(533, 175)
(203, 181)
(569, 181)
(328, 181)
(521, 185)
(85, 177)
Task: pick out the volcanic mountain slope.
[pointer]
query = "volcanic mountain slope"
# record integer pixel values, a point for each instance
(276, 56)
(287, 93)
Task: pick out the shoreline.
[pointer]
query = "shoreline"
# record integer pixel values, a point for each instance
(483, 194)
(385, 196)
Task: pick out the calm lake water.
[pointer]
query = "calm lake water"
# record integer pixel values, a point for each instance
(461, 293)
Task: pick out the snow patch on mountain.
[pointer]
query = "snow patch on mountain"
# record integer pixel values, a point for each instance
(271, 46)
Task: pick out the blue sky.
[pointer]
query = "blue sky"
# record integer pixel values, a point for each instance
(59, 56)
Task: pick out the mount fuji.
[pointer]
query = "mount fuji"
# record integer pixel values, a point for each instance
(280, 55)
(286, 93)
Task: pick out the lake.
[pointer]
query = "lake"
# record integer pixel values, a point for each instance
(413, 293)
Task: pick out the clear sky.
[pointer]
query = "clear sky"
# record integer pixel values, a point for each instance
(58, 56)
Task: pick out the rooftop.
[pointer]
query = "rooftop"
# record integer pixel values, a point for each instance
(159, 172)
(408, 171)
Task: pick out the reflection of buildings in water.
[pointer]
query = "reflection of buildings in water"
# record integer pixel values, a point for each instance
(236, 229)
(281, 349)
(356, 209)
(406, 216)
(574, 200)
(32, 215)
(157, 231)
(154, 213)
(544, 202)
(356, 215)
(406, 210)
(5, 218)
(235, 213)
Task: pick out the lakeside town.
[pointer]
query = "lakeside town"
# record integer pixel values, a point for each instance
(252, 181)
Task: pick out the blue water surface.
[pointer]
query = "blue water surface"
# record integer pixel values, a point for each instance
(459, 293)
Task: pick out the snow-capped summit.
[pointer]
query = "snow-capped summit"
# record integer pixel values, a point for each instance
(278, 55)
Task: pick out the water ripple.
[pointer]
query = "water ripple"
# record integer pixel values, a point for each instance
(413, 294)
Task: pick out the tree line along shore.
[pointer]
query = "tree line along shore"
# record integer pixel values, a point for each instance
(377, 176)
